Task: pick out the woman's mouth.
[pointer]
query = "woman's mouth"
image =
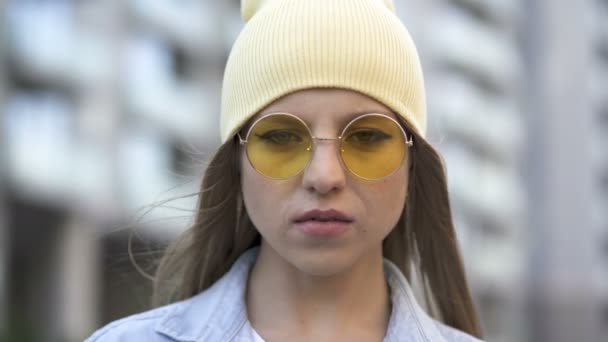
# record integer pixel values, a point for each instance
(323, 223)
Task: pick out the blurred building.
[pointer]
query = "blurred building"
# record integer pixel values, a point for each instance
(566, 169)
(108, 106)
(102, 104)
(475, 74)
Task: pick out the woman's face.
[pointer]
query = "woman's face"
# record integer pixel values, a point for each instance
(324, 220)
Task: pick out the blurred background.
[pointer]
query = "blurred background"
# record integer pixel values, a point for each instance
(110, 107)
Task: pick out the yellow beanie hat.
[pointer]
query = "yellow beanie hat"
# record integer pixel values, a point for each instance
(290, 45)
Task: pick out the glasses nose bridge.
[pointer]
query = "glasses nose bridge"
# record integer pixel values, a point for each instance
(327, 139)
(316, 141)
(322, 159)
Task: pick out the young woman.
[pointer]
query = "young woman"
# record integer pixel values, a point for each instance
(323, 199)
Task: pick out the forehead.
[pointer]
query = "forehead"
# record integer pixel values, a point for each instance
(326, 105)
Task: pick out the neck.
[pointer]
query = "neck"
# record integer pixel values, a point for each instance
(282, 300)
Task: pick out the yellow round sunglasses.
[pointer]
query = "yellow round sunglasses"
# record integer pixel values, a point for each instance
(280, 145)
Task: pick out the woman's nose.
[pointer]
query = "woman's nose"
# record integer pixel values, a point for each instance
(325, 173)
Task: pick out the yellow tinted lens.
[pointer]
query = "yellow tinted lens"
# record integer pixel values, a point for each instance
(373, 146)
(278, 146)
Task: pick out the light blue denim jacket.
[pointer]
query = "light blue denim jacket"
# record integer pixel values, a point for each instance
(218, 314)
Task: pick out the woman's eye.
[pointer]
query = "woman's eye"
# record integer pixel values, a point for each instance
(367, 136)
(281, 137)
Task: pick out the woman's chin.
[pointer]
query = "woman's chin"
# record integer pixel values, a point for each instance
(322, 264)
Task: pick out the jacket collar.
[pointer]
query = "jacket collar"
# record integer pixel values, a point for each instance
(219, 313)
(215, 314)
(408, 322)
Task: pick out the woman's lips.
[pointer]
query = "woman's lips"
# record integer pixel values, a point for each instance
(323, 228)
(323, 223)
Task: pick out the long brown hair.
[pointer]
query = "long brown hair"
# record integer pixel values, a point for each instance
(424, 236)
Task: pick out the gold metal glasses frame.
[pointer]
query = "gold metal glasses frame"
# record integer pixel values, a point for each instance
(408, 139)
